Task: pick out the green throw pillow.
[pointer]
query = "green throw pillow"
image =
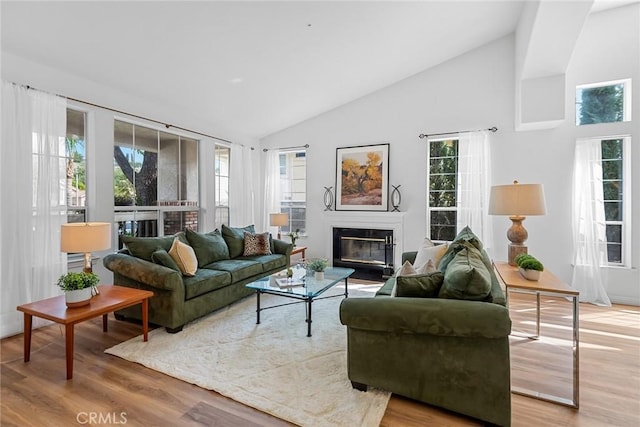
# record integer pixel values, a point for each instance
(144, 247)
(234, 237)
(209, 247)
(162, 257)
(466, 276)
(468, 236)
(419, 285)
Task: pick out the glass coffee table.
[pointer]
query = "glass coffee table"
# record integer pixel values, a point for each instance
(301, 287)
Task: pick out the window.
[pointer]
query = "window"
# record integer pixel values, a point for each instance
(293, 189)
(155, 181)
(442, 185)
(76, 166)
(606, 102)
(616, 182)
(222, 166)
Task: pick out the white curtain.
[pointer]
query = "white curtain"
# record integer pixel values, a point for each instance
(32, 191)
(241, 202)
(271, 188)
(474, 185)
(589, 230)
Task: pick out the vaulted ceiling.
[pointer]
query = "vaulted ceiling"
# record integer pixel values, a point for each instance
(255, 66)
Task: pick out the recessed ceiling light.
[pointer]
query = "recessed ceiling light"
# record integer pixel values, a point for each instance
(236, 80)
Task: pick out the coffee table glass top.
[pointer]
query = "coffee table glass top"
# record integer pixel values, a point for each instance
(301, 284)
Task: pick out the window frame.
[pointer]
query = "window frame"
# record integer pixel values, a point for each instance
(430, 209)
(626, 99)
(286, 174)
(217, 181)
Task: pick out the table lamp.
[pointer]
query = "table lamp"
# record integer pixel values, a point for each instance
(278, 220)
(85, 237)
(517, 201)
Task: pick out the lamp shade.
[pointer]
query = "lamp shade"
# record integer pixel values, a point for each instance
(517, 200)
(83, 237)
(278, 219)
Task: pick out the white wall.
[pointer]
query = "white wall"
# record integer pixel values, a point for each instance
(476, 91)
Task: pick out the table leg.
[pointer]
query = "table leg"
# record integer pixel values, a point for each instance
(27, 336)
(537, 316)
(346, 287)
(69, 349)
(309, 301)
(145, 319)
(258, 307)
(105, 323)
(576, 354)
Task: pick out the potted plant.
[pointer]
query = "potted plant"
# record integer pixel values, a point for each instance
(318, 266)
(78, 287)
(294, 236)
(529, 267)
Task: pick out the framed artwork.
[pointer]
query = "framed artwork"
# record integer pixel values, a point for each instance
(362, 178)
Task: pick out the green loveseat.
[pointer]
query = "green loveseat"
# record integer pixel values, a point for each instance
(219, 280)
(450, 353)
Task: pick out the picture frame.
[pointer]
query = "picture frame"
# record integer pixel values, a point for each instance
(362, 178)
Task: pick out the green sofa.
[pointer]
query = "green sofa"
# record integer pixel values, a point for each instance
(447, 352)
(219, 280)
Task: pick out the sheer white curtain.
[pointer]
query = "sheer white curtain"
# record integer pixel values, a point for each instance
(241, 200)
(271, 188)
(474, 185)
(589, 231)
(33, 200)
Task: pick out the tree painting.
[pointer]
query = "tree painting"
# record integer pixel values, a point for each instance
(361, 177)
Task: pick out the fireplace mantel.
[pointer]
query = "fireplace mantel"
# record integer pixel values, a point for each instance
(369, 219)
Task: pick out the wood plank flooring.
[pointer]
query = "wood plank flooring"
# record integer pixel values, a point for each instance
(116, 392)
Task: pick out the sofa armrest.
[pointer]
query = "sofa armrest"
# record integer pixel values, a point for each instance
(428, 316)
(140, 270)
(283, 248)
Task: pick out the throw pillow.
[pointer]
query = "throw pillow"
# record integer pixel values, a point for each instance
(256, 244)
(429, 267)
(466, 276)
(406, 270)
(162, 257)
(420, 285)
(428, 251)
(209, 247)
(144, 247)
(234, 237)
(184, 256)
(468, 236)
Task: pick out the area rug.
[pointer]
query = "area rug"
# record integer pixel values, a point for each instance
(273, 366)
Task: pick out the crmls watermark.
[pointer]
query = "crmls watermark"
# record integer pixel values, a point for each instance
(92, 418)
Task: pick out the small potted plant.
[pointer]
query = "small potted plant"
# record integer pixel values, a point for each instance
(318, 266)
(293, 235)
(529, 267)
(78, 287)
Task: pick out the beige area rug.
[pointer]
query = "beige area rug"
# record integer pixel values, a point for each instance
(274, 366)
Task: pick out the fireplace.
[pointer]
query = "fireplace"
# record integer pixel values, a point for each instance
(368, 251)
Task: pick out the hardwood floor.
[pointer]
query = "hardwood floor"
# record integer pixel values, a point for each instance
(116, 392)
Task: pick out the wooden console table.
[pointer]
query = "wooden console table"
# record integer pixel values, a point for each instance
(111, 298)
(302, 250)
(548, 284)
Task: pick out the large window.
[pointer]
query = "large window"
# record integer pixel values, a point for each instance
(76, 166)
(222, 166)
(155, 181)
(442, 185)
(616, 182)
(293, 189)
(606, 102)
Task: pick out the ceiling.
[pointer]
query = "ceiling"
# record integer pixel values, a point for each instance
(258, 67)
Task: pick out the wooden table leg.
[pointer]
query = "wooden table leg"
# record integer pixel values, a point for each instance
(69, 349)
(27, 336)
(145, 318)
(105, 321)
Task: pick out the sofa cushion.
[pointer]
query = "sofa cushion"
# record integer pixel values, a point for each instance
(468, 236)
(419, 285)
(209, 247)
(205, 281)
(240, 269)
(234, 237)
(466, 276)
(184, 256)
(256, 244)
(269, 262)
(144, 247)
(428, 251)
(162, 257)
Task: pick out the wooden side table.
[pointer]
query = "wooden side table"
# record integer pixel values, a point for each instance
(111, 298)
(548, 284)
(300, 250)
